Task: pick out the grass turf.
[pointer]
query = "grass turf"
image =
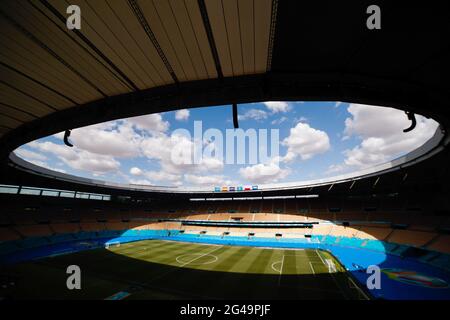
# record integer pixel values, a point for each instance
(175, 270)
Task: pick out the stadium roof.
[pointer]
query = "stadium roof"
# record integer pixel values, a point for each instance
(137, 57)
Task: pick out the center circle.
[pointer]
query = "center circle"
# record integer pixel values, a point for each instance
(196, 259)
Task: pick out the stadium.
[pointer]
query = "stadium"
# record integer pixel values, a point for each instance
(355, 205)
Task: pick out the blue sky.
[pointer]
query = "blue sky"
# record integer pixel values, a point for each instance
(316, 140)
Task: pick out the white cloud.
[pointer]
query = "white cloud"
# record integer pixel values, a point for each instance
(381, 131)
(116, 139)
(210, 164)
(200, 180)
(279, 120)
(277, 106)
(140, 182)
(78, 159)
(273, 108)
(29, 155)
(305, 142)
(336, 168)
(182, 115)
(300, 119)
(163, 176)
(175, 154)
(263, 173)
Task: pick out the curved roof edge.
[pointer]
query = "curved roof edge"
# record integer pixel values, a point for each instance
(434, 145)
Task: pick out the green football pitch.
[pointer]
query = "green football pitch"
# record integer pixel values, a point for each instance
(176, 270)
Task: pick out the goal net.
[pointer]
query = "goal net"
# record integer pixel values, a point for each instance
(112, 244)
(331, 266)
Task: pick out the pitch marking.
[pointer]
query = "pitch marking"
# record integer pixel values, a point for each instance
(180, 258)
(273, 266)
(312, 268)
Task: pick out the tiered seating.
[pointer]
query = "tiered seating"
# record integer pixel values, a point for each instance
(92, 226)
(291, 206)
(5, 220)
(209, 207)
(255, 206)
(201, 207)
(341, 231)
(244, 206)
(219, 217)
(198, 217)
(371, 204)
(442, 244)
(379, 233)
(320, 217)
(162, 215)
(350, 216)
(381, 216)
(125, 214)
(233, 207)
(58, 216)
(88, 216)
(421, 228)
(74, 215)
(295, 232)
(278, 206)
(7, 234)
(116, 225)
(114, 216)
(138, 214)
(352, 206)
(302, 205)
(322, 229)
(172, 225)
(316, 205)
(412, 238)
(392, 205)
(244, 217)
(267, 206)
(266, 217)
(334, 205)
(22, 218)
(292, 217)
(65, 227)
(37, 230)
(192, 229)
